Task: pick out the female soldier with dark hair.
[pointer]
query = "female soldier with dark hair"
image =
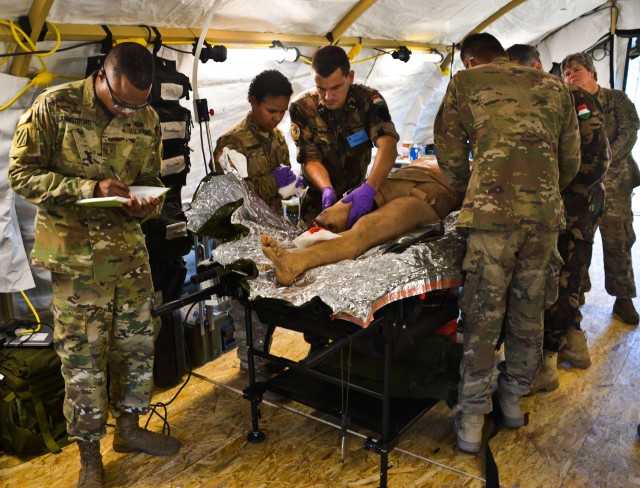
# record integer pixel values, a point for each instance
(257, 138)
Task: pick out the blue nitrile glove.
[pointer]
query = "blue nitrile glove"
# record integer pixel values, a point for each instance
(328, 197)
(361, 202)
(284, 176)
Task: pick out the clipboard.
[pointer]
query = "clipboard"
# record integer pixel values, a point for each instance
(137, 191)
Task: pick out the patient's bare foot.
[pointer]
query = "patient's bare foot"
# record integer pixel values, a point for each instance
(283, 261)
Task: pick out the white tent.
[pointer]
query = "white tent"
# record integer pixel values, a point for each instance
(413, 89)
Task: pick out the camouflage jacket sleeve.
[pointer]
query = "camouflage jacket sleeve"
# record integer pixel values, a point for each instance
(32, 150)
(263, 156)
(627, 122)
(569, 143)
(149, 174)
(594, 148)
(302, 132)
(452, 140)
(378, 116)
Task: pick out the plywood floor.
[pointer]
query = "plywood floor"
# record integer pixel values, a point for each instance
(581, 435)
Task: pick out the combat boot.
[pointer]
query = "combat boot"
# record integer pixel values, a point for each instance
(130, 437)
(623, 308)
(510, 405)
(468, 428)
(91, 469)
(576, 352)
(547, 379)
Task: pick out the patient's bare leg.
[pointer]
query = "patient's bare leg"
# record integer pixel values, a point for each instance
(390, 221)
(334, 217)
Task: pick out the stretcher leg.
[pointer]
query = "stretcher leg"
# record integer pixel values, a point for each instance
(256, 435)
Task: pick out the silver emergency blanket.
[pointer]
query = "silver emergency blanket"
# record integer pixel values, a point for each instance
(353, 289)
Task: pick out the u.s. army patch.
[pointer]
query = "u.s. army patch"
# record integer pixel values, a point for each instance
(295, 131)
(22, 137)
(25, 117)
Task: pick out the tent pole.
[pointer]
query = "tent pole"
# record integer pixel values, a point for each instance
(446, 63)
(37, 17)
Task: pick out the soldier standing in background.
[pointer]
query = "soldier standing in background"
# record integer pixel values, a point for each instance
(259, 140)
(583, 201)
(616, 225)
(521, 127)
(94, 138)
(334, 126)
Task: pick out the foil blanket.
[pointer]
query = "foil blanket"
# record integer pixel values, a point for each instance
(354, 289)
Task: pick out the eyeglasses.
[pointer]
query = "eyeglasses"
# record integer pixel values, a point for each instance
(119, 105)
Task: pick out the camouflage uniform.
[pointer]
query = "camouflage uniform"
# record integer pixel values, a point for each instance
(616, 225)
(521, 127)
(102, 289)
(264, 152)
(340, 139)
(583, 205)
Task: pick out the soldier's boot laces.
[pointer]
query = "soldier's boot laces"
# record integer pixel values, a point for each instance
(510, 405)
(130, 437)
(547, 379)
(91, 470)
(623, 308)
(576, 352)
(468, 428)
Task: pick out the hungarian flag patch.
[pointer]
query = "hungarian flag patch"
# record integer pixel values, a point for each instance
(377, 99)
(583, 111)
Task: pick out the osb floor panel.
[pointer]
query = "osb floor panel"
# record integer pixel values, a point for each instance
(581, 435)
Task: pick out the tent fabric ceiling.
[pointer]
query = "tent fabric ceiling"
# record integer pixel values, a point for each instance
(401, 20)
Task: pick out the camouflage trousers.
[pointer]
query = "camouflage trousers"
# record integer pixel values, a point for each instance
(103, 328)
(565, 314)
(510, 278)
(618, 237)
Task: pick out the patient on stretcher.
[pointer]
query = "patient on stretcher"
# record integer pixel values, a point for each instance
(413, 195)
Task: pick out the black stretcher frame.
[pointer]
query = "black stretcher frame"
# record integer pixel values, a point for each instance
(390, 332)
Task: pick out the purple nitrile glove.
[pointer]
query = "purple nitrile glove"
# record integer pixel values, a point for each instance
(361, 202)
(283, 176)
(300, 181)
(328, 197)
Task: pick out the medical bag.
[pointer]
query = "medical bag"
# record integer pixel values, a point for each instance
(31, 415)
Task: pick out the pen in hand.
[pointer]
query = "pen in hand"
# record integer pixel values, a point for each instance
(115, 173)
(125, 188)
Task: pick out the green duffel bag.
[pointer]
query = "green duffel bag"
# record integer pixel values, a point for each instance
(31, 417)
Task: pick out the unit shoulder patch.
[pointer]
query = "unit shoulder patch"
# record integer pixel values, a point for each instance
(22, 137)
(295, 131)
(377, 99)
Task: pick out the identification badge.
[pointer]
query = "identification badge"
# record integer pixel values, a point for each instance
(357, 138)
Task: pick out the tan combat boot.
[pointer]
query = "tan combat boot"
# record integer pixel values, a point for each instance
(510, 405)
(576, 352)
(468, 428)
(547, 379)
(91, 470)
(623, 308)
(130, 437)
